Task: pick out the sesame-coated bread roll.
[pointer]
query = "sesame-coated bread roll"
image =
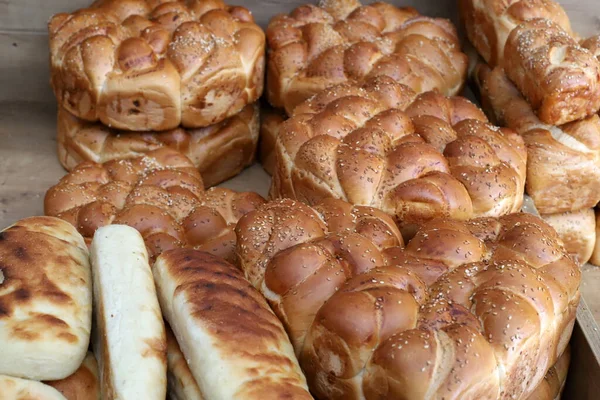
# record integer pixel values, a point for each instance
(233, 343)
(559, 78)
(145, 65)
(337, 41)
(489, 22)
(416, 157)
(161, 194)
(466, 310)
(45, 299)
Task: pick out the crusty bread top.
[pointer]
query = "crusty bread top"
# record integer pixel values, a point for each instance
(478, 309)
(413, 156)
(156, 64)
(45, 299)
(559, 78)
(161, 194)
(209, 298)
(489, 22)
(315, 47)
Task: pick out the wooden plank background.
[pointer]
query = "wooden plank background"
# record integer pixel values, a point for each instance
(28, 163)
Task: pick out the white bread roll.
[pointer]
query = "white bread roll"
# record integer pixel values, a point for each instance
(180, 382)
(235, 346)
(83, 384)
(45, 299)
(129, 337)
(23, 389)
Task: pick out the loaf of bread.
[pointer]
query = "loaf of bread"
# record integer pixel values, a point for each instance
(234, 345)
(45, 300)
(161, 194)
(145, 65)
(553, 384)
(315, 47)
(466, 310)
(416, 157)
(270, 121)
(23, 389)
(563, 163)
(559, 78)
(129, 334)
(180, 381)
(489, 22)
(577, 229)
(219, 151)
(595, 259)
(84, 384)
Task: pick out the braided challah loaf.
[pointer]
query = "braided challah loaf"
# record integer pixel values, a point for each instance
(467, 310)
(160, 194)
(270, 122)
(489, 22)
(219, 151)
(414, 157)
(144, 65)
(315, 47)
(563, 163)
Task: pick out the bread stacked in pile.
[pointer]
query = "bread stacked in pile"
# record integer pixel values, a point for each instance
(391, 261)
(539, 78)
(133, 76)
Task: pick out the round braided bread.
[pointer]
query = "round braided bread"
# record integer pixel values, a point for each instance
(466, 310)
(415, 157)
(315, 47)
(160, 194)
(144, 65)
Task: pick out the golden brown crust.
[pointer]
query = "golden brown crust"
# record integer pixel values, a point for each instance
(219, 151)
(235, 346)
(160, 194)
(559, 78)
(554, 382)
(577, 230)
(180, 381)
(478, 309)
(414, 157)
(144, 65)
(489, 22)
(270, 122)
(83, 384)
(315, 47)
(45, 299)
(563, 163)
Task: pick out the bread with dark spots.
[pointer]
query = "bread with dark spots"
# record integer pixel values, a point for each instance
(235, 346)
(477, 309)
(84, 384)
(45, 299)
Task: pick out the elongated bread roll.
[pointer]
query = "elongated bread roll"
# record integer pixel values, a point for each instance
(23, 389)
(83, 384)
(235, 346)
(45, 299)
(180, 381)
(129, 337)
